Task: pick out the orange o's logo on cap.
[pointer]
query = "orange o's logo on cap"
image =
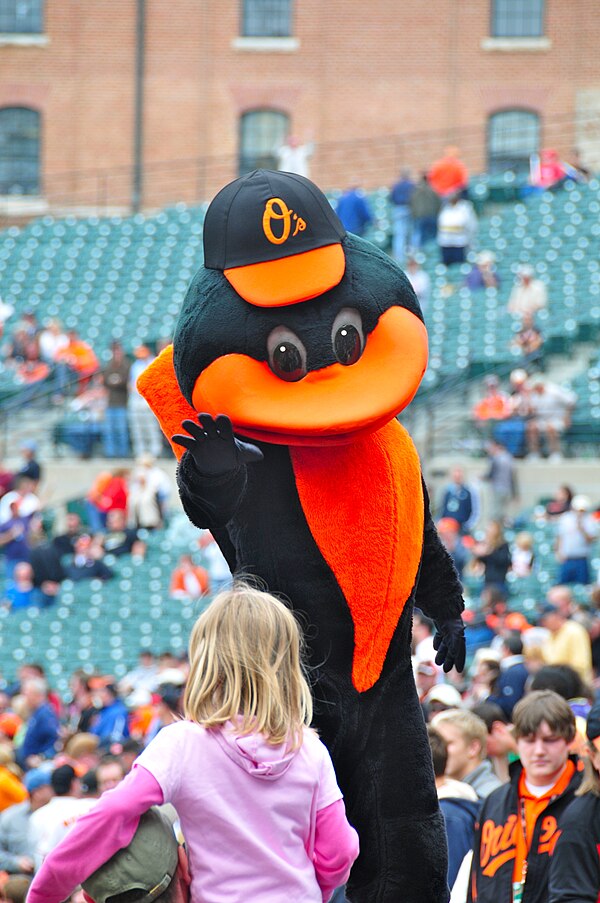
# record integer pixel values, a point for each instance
(276, 210)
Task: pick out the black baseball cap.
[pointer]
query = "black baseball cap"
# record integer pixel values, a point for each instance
(275, 237)
(593, 725)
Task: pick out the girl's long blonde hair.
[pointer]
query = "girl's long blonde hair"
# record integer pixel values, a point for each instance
(246, 667)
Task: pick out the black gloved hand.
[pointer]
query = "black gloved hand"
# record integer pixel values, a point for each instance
(213, 446)
(449, 642)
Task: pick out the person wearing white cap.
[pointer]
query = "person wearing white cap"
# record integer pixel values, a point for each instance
(576, 531)
(529, 294)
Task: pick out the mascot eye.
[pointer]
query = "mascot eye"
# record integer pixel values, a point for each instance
(287, 354)
(347, 336)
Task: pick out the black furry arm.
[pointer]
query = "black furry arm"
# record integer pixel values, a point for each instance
(209, 501)
(439, 590)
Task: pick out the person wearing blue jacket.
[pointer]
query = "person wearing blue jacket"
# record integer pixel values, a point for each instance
(353, 210)
(459, 804)
(112, 722)
(42, 727)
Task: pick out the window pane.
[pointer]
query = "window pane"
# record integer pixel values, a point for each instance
(513, 135)
(261, 133)
(21, 16)
(267, 18)
(517, 18)
(19, 151)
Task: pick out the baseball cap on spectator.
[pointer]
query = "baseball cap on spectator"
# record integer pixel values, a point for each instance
(593, 725)
(89, 782)
(171, 676)
(147, 865)
(580, 503)
(37, 777)
(525, 269)
(62, 778)
(548, 609)
(444, 695)
(516, 621)
(518, 377)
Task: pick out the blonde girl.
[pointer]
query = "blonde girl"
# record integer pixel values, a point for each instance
(254, 787)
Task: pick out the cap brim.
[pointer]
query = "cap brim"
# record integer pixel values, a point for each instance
(288, 280)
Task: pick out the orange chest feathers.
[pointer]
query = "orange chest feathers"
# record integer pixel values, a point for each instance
(363, 504)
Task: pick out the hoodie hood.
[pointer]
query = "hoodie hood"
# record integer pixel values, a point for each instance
(254, 755)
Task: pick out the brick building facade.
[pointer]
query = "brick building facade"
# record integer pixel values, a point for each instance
(375, 85)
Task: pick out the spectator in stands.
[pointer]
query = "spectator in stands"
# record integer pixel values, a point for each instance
(501, 745)
(560, 502)
(12, 790)
(294, 156)
(144, 430)
(31, 373)
(353, 210)
(460, 501)
(81, 709)
(576, 531)
(15, 538)
(458, 802)
(31, 467)
(466, 740)
(21, 500)
(76, 363)
(513, 677)
(21, 591)
(494, 554)
(109, 773)
(111, 723)
(119, 539)
(42, 732)
(425, 206)
(148, 494)
(108, 491)
(456, 229)
(15, 847)
(218, 570)
(116, 380)
(81, 751)
(449, 532)
(6, 479)
(84, 423)
(551, 407)
(49, 825)
(541, 787)
(400, 198)
(422, 638)
(168, 711)
(568, 642)
(87, 561)
(529, 342)
(449, 176)
(574, 871)
(522, 555)
(483, 274)
(502, 478)
(547, 171)
(420, 282)
(529, 295)
(188, 581)
(494, 405)
(64, 543)
(52, 340)
(143, 677)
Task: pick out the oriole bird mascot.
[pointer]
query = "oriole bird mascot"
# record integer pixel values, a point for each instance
(296, 347)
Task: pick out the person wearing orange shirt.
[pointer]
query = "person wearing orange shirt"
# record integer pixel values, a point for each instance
(76, 362)
(449, 175)
(521, 821)
(11, 789)
(188, 581)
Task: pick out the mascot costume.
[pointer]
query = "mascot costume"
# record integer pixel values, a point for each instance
(296, 347)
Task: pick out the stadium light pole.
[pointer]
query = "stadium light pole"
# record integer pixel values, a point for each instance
(138, 115)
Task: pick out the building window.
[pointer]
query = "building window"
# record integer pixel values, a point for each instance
(513, 135)
(517, 18)
(21, 17)
(266, 18)
(19, 151)
(262, 132)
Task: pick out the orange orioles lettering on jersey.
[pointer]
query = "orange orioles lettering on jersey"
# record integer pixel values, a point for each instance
(498, 842)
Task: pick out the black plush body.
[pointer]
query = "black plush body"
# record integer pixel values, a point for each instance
(377, 739)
